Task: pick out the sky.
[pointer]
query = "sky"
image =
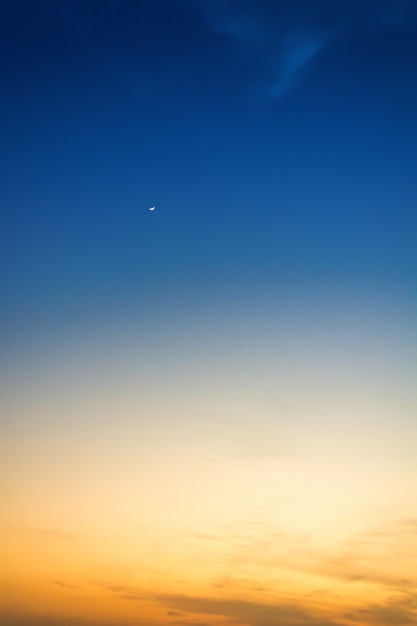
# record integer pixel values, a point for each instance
(208, 410)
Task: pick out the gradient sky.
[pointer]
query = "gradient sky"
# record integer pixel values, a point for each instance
(208, 409)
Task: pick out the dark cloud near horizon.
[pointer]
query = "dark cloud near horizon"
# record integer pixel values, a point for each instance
(401, 610)
(241, 611)
(247, 612)
(10, 619)
(355, 560)
(191, 623)
(398, 608)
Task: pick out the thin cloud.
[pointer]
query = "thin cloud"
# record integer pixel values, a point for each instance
(64, 585)
(9, 619)
(52, 534)
(364, 559)
(299, 53)
(133, 597)
(185, 623)
(204, 536)
(230, 582)
(286, 39)
(284, 50)
(267, 47)
(127, 590)
(400, 610)
(402, 528)
(250, 613)
(246, 612)
(360, 559)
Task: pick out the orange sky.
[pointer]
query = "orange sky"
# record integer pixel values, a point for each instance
(235, 475)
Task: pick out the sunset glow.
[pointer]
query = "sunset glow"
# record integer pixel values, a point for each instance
(208, 410)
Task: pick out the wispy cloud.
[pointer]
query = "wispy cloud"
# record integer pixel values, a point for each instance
(287, 39)
(245, 612)
(191, 623)
(299, 50)
(268, 46)
(50, 534)
(9, 619)
(361, 560)
(64, 585)
(282, 47)
(383, 557)
(121, 589)
(252, 613)
(401, 610)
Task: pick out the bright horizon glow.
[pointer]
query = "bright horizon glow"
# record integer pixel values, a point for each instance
(265, 462)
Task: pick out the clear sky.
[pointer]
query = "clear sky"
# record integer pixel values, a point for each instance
(209, 408)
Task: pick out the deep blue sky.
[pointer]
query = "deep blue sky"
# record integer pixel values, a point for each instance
(276, 139)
